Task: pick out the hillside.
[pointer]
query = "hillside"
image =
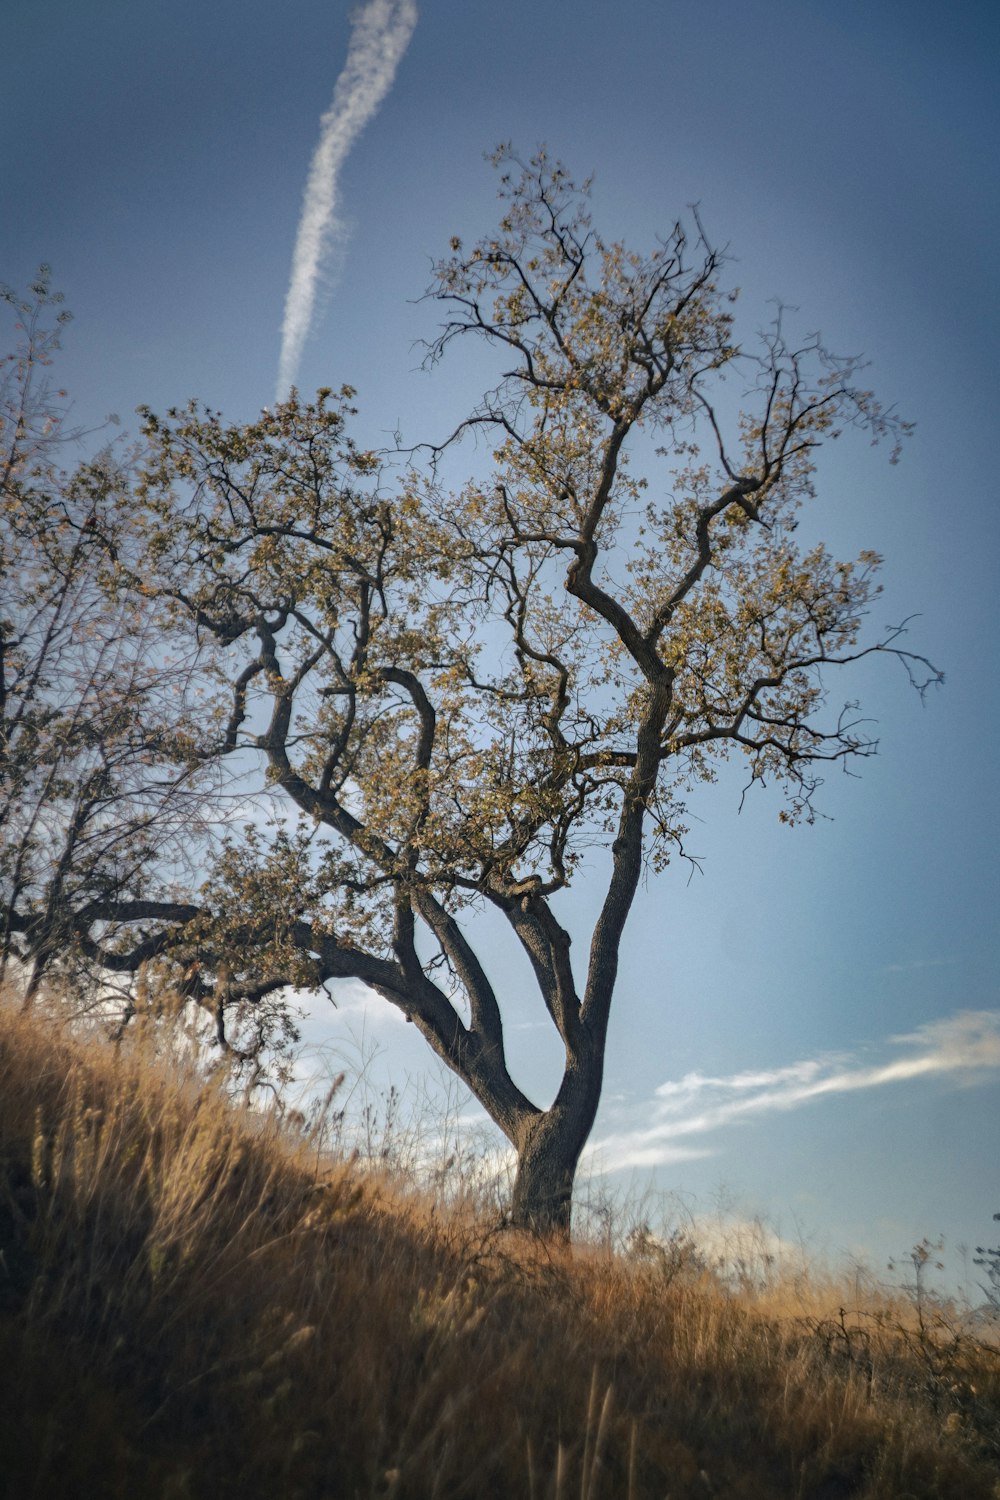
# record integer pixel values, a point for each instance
(191, 1304)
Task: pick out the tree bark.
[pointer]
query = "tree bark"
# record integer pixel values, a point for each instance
(549, 1150)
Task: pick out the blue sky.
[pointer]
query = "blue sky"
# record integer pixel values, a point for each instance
(814, 1021)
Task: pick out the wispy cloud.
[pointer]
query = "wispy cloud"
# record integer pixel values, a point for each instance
(379, 37)
(965, 1046)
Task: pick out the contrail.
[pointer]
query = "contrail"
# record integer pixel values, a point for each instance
(380, 35)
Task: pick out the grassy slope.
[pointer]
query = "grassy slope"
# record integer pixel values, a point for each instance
(189, 1308)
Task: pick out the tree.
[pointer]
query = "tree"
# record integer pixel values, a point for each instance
(56, 658)
(100, 795)
(451, 698)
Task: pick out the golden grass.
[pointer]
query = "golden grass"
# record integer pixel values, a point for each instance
(191, 1305)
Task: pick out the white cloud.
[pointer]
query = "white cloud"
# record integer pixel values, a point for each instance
(913, 964)
(631, 1149)
(749, 1247)
(965, 1046)
(380, 35)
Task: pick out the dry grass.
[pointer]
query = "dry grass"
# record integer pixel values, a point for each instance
(191, 1306)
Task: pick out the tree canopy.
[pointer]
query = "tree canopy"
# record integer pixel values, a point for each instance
(450, 697)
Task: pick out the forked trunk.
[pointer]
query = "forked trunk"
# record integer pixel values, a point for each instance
(547, 1159)
(543, 1186)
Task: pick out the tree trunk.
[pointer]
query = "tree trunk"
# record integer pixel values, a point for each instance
(548, 1155)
